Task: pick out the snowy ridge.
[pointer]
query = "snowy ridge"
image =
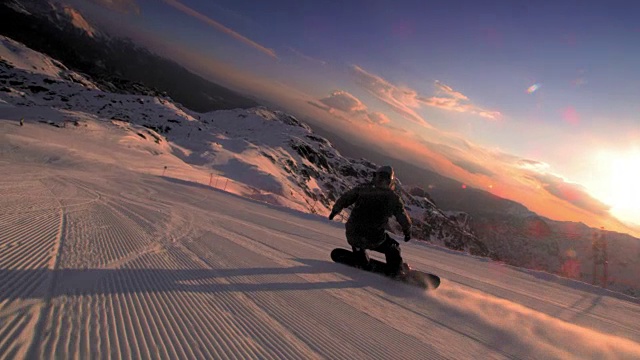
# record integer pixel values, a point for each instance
(57, 12)
(42, 67)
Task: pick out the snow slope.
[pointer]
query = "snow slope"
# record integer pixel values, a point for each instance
(103, 257)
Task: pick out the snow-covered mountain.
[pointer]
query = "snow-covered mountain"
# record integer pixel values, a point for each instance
(59, 14)
(114, 63)
(271, 156)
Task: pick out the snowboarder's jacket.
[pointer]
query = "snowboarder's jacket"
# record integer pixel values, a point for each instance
(374, 206)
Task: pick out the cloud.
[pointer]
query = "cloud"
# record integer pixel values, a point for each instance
(535, 165)
(345, 106)
(122, 6)
(378, 118)
(216, 25)
(555, 185)
(319, 106)
(570, 192)
(492, 115)
(473, 167)
(405, 100)
(306, 57)
(401, 100)
(461, 154)
(343, 101)
(449, 91)
(441, 102)
(452, 100)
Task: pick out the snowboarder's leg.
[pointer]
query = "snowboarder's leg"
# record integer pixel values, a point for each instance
(357, 240)
(361, 257)
(391, 250)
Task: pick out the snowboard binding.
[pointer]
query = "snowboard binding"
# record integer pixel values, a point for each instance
(406, 274)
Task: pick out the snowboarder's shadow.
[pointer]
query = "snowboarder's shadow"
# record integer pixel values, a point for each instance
(366, 279)
(293, 278)
(273, 279)
(75, 282)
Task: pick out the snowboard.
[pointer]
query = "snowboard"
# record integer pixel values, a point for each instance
(414, 277)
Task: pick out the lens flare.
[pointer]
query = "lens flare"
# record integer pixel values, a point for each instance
(533, 88)
(570, 115)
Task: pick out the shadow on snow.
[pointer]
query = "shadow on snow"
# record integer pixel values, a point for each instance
(47, 283)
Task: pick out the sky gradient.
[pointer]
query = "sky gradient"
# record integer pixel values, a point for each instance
(536, 103)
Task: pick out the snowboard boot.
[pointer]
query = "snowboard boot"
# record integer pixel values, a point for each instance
(401, 272)
(361, 259)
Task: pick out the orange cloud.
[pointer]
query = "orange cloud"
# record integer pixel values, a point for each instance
(345, 106)
(216, 25)
(534, 165)
(343, 101)
(404, 100)
(401, 100)
(449, 91)
(452, 100)
(570, 192)
(378, 118)
(440, 102)
(493, 115)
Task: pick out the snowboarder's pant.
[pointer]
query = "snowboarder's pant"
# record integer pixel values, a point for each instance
(391, 250)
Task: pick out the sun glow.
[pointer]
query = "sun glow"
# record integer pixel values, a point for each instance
(621, 182)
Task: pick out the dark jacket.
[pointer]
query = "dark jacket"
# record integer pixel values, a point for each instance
(373, 208)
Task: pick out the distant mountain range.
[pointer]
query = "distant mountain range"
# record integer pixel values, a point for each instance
(115, 64)
(104, 76)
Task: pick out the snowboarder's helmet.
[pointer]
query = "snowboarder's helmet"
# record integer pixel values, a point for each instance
(384, 176)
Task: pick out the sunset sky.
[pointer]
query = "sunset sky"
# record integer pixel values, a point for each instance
(537, 103)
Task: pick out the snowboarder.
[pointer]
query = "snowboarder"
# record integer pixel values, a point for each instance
(375, 202)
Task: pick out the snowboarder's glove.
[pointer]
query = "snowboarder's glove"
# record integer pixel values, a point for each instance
(332, 215)
(407, 237)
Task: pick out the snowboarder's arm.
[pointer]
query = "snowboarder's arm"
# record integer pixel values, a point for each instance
(347, 199)
(403, 218)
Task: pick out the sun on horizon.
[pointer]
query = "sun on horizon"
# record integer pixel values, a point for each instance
(619, 184)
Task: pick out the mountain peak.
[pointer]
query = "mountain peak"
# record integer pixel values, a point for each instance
(79, 21)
